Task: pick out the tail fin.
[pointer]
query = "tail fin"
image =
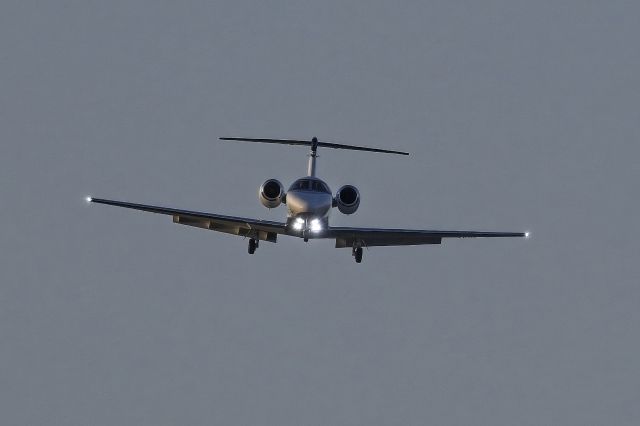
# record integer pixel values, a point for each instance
(315, 143)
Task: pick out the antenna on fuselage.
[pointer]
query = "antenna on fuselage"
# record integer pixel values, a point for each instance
(314, 143)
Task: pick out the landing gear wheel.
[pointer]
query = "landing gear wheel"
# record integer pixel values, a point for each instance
(358, 254)
(252, 246)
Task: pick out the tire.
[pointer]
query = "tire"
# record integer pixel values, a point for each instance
(358, 255)
(252, 246)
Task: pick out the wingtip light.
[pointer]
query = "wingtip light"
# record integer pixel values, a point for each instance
(527, 234)
(88, 199)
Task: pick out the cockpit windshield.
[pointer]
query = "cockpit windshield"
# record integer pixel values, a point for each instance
(310, 185)
(319, 186)
(300, 185)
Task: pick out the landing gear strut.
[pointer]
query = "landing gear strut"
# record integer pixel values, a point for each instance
(253, 245)
(357, 253)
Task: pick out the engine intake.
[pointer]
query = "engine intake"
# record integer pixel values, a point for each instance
(348, 199)
(271, 193)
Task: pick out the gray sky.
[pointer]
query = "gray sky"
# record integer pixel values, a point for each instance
(519, 115)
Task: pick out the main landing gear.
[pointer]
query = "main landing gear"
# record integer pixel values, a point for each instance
(357, 253)
(253, 245)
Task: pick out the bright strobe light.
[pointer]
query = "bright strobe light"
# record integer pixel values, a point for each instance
(527, 234)
(88, 199)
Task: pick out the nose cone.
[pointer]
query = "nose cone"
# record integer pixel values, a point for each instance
(306, 202)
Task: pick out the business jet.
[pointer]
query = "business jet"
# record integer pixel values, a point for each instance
(309, 202)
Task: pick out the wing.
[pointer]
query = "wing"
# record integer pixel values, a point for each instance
(369, 237)
(259, 229)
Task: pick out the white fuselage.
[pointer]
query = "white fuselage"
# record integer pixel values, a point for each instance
(309, 201)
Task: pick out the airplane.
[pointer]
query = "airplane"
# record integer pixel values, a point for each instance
(309, 202)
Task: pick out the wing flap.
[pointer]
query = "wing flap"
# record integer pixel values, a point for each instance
(388, 239)
(370, 237)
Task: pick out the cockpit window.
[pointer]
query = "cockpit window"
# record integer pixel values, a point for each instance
(310, 185)
(300, 184)
(319, 186)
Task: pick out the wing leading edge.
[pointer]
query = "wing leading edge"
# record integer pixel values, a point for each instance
(370, 237)
(245, 227)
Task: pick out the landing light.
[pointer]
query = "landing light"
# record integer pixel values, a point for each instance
(297, 225)
(316, 225)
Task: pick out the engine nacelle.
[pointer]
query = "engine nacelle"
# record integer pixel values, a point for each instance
(347, 199)
(271, 193)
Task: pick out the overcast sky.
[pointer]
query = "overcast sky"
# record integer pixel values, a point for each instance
(519, 115)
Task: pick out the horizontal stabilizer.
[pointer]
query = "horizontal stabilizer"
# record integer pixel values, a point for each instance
(315, 143)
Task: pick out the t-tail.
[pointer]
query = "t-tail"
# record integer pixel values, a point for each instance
(314, 143)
